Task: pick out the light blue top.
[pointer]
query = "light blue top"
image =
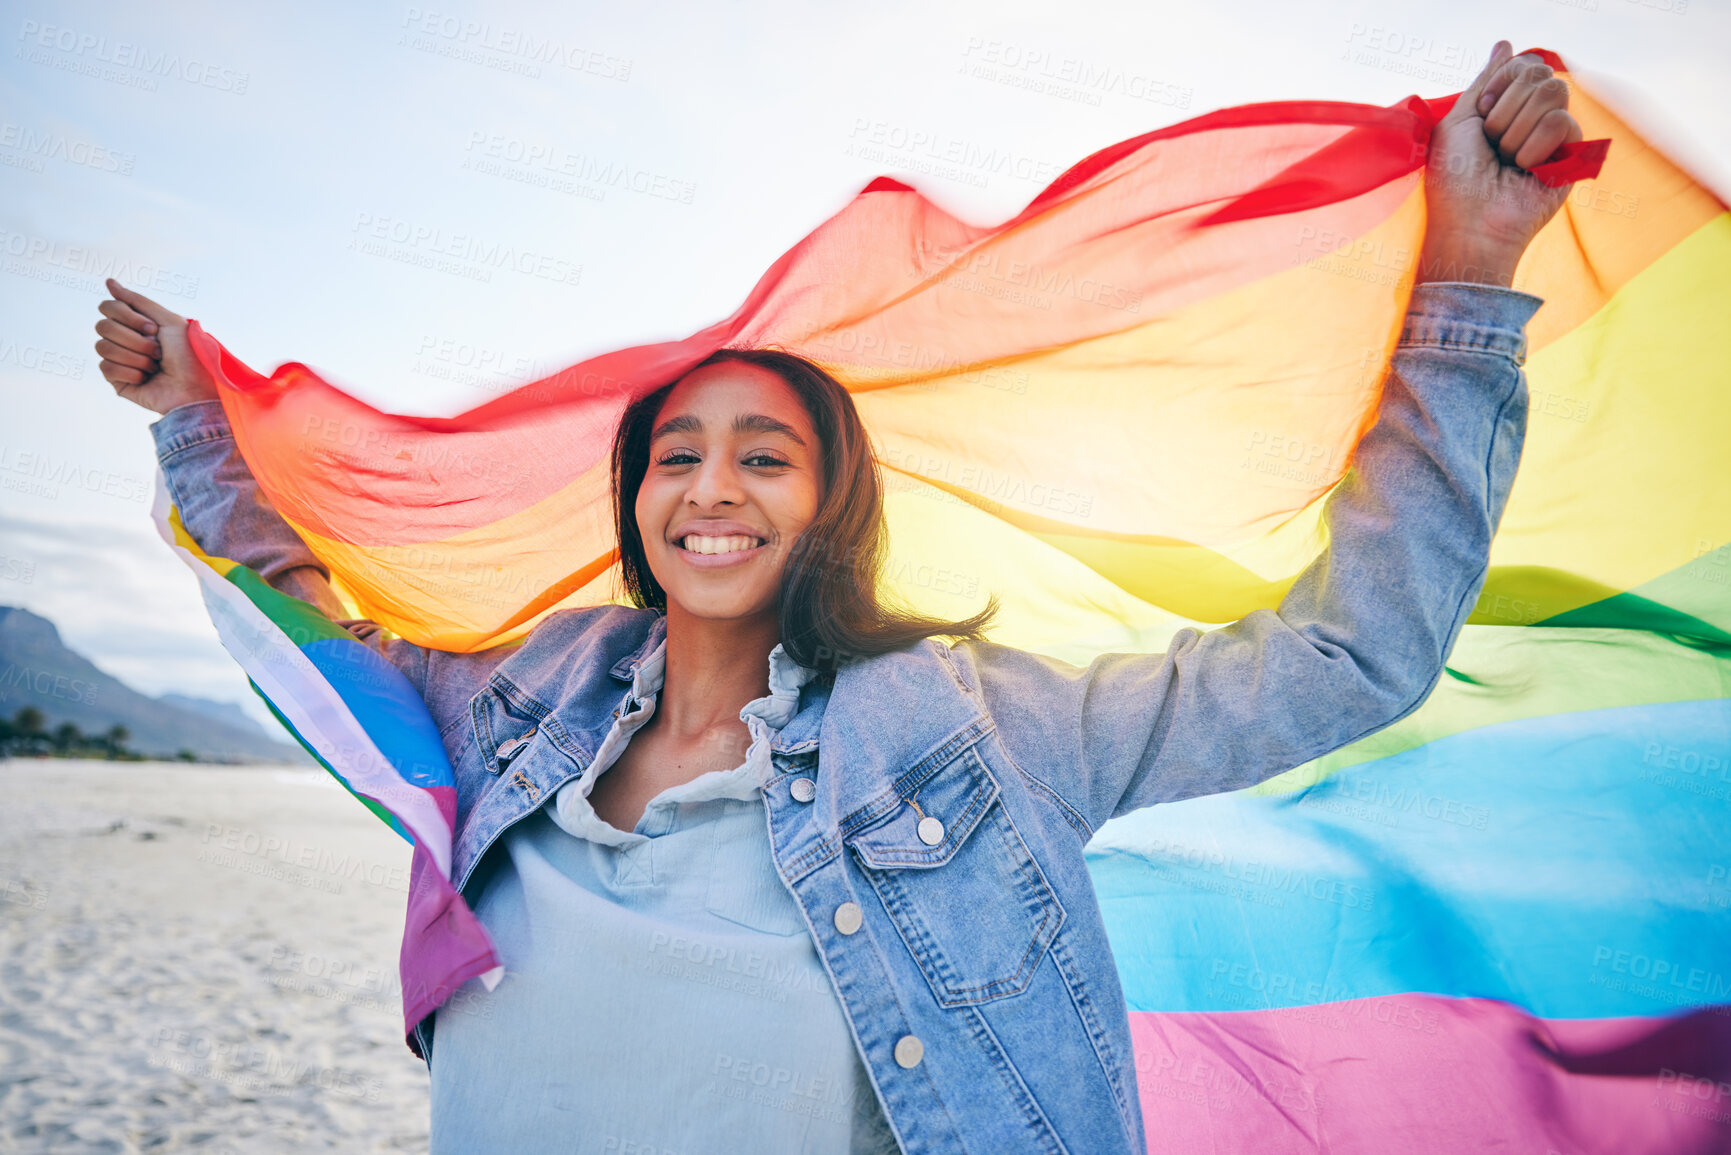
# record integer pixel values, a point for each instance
(681, 926)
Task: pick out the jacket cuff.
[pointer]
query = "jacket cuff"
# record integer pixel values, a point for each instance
(1464, 315)
(187, 425)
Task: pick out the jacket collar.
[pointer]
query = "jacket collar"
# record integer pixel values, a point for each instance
(625, 669)
(892, 721)
(849, 716)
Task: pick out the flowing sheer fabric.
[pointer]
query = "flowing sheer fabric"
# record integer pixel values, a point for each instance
(1121, 412)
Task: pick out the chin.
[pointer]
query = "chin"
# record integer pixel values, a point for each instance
(722, 605)
(725, 611)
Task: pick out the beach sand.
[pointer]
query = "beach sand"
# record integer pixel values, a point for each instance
(200, 958)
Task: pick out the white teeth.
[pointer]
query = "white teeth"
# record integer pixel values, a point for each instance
(697, 544)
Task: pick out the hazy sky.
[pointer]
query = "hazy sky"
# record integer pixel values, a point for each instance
(285, 177)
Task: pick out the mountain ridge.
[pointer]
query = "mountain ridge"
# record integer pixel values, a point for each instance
(38, 669)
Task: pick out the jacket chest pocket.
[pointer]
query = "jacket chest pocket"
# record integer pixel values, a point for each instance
(507, 745)
(957, 880)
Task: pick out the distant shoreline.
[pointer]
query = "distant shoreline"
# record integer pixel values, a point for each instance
(163, 763)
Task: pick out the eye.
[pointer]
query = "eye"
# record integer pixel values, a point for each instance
(677, 457)
(765, 461)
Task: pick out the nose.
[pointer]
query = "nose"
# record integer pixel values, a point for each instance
(716, 483)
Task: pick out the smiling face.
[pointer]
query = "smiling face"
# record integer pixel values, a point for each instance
(735, 474)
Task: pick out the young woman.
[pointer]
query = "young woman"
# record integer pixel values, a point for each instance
(771, 869)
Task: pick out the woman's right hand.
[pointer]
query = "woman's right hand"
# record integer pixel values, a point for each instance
(145, 353)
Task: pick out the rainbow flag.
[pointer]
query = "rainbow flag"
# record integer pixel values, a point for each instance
(362, 719)
(1503, 922)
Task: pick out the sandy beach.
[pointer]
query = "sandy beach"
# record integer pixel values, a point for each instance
(199, 958)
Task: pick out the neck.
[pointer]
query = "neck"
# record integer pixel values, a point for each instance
(714, 667)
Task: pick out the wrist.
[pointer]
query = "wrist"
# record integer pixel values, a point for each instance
(179, 394)
(1468, 260)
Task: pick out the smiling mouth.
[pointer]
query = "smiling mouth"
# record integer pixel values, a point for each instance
(735, 543)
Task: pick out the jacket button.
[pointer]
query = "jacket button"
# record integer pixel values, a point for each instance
(909, 1051)
(802, 789)
(848, 917)
(931, 831)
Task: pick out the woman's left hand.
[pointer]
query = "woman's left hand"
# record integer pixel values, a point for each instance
(1483, 206)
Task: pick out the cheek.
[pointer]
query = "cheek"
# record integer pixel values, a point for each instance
(796, 510)
(649, 514)
(810, 498)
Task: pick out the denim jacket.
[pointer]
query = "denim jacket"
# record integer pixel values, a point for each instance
(939, 860)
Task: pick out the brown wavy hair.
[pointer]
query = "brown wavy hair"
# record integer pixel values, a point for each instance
(831, 610)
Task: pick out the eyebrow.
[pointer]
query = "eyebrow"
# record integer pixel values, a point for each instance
(744, 423)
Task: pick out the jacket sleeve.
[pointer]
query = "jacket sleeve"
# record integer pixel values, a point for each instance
(225, 511)
(1361, 638)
